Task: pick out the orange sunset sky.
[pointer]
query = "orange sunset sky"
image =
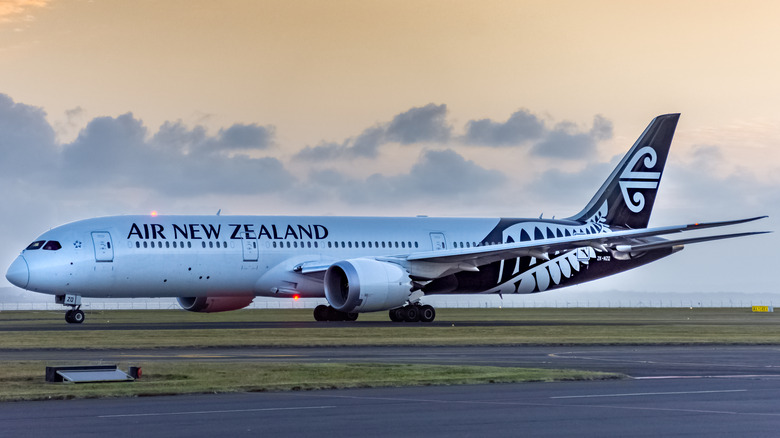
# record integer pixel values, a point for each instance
(370, 108)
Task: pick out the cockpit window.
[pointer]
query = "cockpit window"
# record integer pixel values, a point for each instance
(52, 245)
(36, 245)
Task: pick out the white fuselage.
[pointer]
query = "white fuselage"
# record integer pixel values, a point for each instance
(174, 256)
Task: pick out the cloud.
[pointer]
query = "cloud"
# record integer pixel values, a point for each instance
(421, 124)
(520, 128)
(119, 153)
(438, 175)
(240, 136)
(564, 141)
(27, 140)
(417, 125)
(12, 9)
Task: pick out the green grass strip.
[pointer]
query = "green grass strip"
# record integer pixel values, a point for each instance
(25, 380)
(452, 327)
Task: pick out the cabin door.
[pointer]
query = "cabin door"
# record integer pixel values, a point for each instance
(104, 250)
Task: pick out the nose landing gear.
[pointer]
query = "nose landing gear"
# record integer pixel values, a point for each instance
(75, 315)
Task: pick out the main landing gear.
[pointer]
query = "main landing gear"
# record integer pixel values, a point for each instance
(413, 313)
(328, 313)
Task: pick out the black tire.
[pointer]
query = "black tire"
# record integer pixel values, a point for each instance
(350, 317)
(321, 313)
(412, 314)
(334, 315)
(77, 317)
(69, 316)
(396, 315)
(427, 313)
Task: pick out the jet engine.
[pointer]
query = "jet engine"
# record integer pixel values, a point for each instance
(215, 304)
(366, 285)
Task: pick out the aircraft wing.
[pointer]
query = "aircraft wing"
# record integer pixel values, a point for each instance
(625, 241)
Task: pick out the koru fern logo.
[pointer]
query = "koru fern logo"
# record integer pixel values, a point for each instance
(635, 180)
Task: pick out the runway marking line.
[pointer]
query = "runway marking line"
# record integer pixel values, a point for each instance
(227, 411)
(639, 394)
(732, 376)
(202, 356)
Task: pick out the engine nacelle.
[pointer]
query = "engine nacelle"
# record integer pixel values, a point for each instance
(215, 304)
(366, 285)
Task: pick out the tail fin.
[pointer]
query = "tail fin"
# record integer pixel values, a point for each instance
(626, 198)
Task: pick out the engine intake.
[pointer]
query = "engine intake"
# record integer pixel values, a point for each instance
(215, 304)
(366, 285)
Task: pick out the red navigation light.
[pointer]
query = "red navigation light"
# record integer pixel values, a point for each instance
(296, 296)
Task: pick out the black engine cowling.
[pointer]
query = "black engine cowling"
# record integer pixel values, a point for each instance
(215, 304)
(366, 285)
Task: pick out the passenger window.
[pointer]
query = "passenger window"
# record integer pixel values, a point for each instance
(137, 244)
(52, 245)
(217, 243)
(315, 245)
(189, 244)
(203, 244)
(167, 244)
(36, 245)
(295, 244)
(152, 243)
(274, 244)
(403, 244)
(415, 244)
(330, 245)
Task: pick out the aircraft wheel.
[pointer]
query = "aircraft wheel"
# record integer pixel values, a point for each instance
(350, 317)
(334, 315)
(397, 315)
(427, 313)
(78, 316)
(69, 316)
(321, 313)
(412, 314)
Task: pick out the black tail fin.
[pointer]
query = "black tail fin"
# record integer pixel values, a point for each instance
(626, 198)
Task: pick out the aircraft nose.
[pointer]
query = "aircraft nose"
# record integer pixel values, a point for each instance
(18, 273)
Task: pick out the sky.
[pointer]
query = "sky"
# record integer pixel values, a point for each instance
(398, 108)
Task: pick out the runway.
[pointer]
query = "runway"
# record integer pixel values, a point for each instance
(691, 390)
(636, 408)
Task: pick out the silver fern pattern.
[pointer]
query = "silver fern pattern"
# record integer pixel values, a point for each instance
(539, 274)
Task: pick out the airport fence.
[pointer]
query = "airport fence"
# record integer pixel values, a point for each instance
(439, 302)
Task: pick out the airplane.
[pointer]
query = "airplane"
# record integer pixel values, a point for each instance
(360, 264)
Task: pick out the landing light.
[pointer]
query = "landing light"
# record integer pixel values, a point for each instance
(154, 213)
